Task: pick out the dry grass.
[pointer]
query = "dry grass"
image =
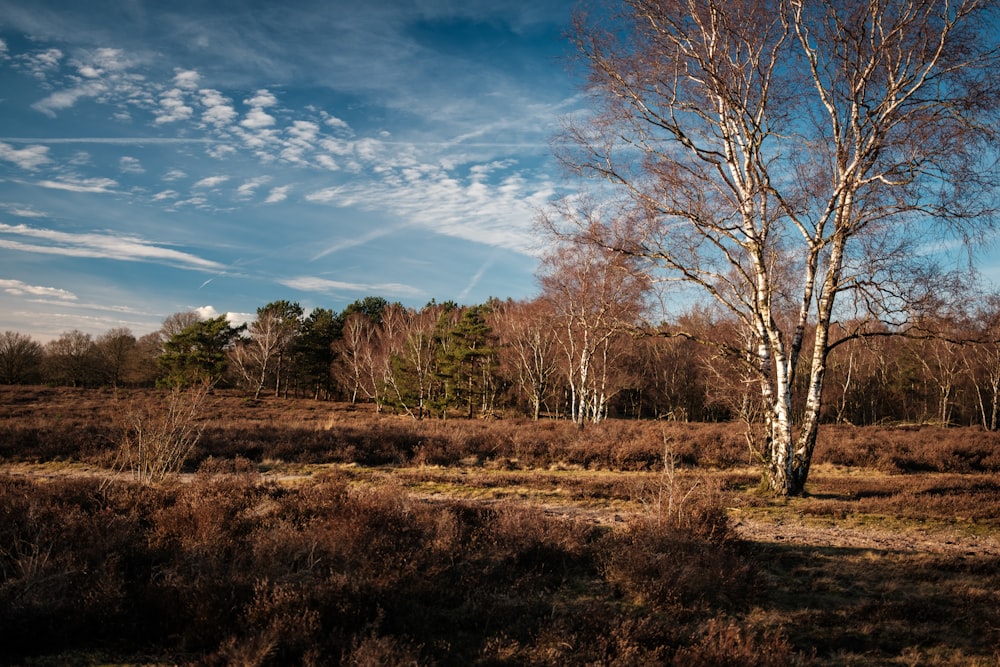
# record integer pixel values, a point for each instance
(318, 534)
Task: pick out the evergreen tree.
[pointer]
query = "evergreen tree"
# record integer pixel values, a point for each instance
(313, 353)
(198, 352)
(372, 306)
(467, 362)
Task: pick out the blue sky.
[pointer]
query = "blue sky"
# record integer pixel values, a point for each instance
(157, 157)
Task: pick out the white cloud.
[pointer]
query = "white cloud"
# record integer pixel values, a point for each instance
(174, 174)
(166, 194)
(109, 60)
(220, 151)
(100, 62)
(327, 162)
(256, 119)
(368, 149)
(278, 194)
(64, 99)
(356, 241)
(91, 185)
(303, 131)
(323, 285)
(337, 146)
(326, 195)
(102, 246)
(197, 202)
(335, 123)
(3, 50)
(172, 107)
(100, 74)
(211, 181)
(249, 188)
(495, 211)
(218, 108)
(22, 211)
(262, 98)
(18, 288)
(40, 63)
(130, 165)
(186, 79)
(234, 319)
(29, 157)
(206, 312)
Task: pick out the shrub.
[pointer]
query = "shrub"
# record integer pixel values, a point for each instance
(155, 438)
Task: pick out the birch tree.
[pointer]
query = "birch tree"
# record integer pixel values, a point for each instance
(356, 367)
(263, 351)
(528, 348)
(982, 362)
(595, 296)
(792, 161)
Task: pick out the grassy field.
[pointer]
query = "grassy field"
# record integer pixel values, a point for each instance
(303, 532)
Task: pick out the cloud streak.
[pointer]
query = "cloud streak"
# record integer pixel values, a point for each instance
(18, 288)
(98, 246)
(325, 286)
(86, 185)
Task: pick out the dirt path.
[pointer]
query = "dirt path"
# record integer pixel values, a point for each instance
(912, 540)
(790, 531)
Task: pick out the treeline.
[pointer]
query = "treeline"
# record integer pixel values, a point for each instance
(504, 358)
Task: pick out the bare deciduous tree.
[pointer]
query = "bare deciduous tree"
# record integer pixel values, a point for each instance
(71, 359)
(792, 159)
(357, 366)
(115, 349)
(527, 348)
(263, 352)
(20, 358)
(594, 296)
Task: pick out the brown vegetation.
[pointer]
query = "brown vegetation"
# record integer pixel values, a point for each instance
(304, 532)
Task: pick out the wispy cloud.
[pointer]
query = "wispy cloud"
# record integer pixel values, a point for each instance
(95, 245)
(29, 157)
(242, 117)
(476, 278)
(91, 185)
(40, 63)
(278, 194)
(211, 182)
(249, 188)
(18, 288)
(130, 165)
(325, 286)
(451, 202)
(346, 244)
(64, 99)
(125, 141)
(22, 211)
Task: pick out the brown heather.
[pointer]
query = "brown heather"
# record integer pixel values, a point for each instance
(305, 532)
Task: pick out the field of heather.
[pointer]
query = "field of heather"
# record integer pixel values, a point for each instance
(305, 532)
